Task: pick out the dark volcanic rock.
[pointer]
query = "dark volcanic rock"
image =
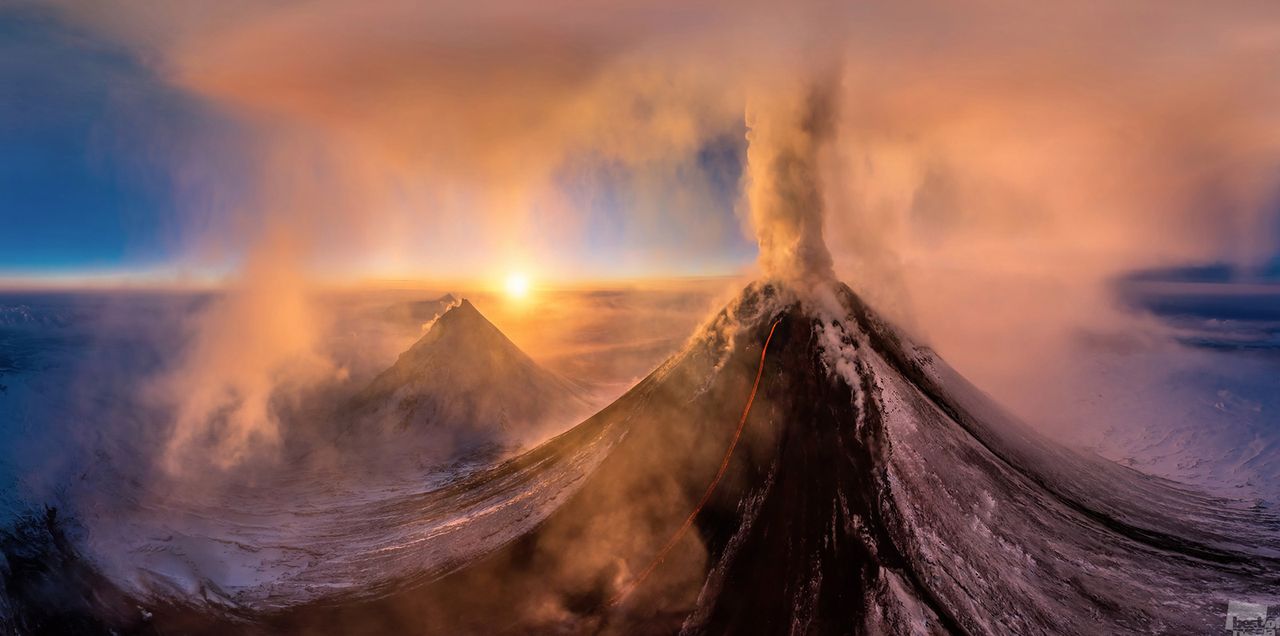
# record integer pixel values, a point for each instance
(46, 587)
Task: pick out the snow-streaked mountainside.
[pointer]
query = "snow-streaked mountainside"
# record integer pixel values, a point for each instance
(461, 394)
(376, 507)
(874, 491)
(465, 382)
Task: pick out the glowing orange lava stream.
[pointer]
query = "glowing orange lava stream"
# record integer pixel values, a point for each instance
(724, 467)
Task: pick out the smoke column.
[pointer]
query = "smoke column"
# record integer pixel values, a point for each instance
(787, 136)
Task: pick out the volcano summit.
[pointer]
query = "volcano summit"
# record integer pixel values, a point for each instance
(873, 491)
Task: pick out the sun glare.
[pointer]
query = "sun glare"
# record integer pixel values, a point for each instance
(517, 285)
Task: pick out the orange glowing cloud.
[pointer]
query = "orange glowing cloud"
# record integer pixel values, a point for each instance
(1036, 147)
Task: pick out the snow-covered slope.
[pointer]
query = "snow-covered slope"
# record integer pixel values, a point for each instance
(874, 490)
(465, 384)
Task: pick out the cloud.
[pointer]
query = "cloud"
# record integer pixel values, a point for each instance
(784, 191)
(996, 121)
(996, 168)
(980, 172)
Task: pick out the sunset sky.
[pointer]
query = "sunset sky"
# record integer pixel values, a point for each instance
(204, 141)
(89, 138)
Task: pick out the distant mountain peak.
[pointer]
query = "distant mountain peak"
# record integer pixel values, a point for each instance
(867, 488)
(462, 330)
(465, 378)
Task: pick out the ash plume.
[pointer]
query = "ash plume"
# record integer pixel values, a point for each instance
(787, 136)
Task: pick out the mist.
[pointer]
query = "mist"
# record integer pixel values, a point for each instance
(354, 425)
(981, 175)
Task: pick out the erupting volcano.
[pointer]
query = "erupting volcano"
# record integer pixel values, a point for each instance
(233, 399)
(872, 490)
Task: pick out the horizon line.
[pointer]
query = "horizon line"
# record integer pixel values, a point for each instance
(146, 283)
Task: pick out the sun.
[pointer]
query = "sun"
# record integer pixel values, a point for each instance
(517, 285)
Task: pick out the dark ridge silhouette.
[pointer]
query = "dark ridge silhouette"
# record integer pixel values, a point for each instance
(46, 587)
